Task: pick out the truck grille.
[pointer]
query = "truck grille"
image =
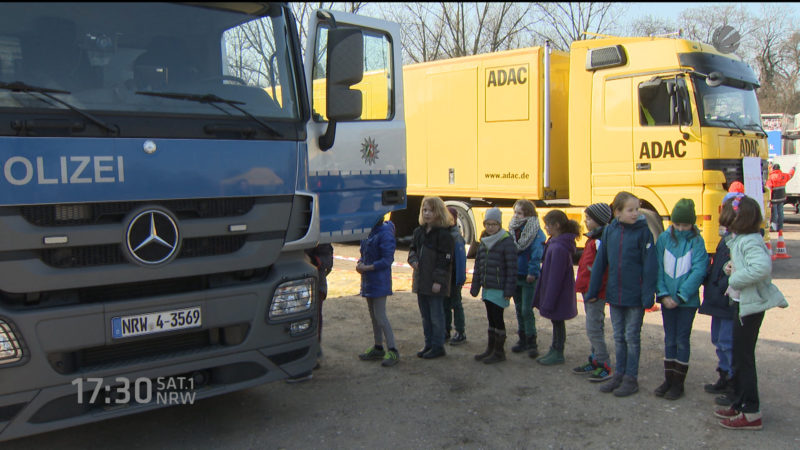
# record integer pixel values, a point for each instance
(110, 254)
(732, 168)
(114, 212)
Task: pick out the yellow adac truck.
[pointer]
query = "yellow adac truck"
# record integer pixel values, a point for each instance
(662, 118)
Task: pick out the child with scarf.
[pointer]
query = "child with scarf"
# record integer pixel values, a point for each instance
(529, 240)
(495, 271)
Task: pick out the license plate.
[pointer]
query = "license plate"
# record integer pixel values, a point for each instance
(157, 322)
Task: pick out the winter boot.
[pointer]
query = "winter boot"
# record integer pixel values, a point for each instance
(678, 377)
(533, 349)
(668, 376)
(499, 353)
(628, 387)
(721, 385)
(552, 357)
(489, 346)
(522, 343)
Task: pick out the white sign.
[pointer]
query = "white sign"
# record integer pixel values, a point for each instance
(752, 180)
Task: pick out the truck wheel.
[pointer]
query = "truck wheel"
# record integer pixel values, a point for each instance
(653, 222)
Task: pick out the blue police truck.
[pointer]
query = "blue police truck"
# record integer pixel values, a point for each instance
(164, 167)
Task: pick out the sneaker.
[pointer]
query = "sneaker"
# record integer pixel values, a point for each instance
(458, 338)
(601, 373)
(585, 369)
(741, 422)
(726, 413)
(391, 358)
(300, 378)
(372, 354)
(723, 400)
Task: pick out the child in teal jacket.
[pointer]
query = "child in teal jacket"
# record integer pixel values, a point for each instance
(682, 262)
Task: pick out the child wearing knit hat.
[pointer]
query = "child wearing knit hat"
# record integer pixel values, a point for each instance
(682, 263)
(598, 367)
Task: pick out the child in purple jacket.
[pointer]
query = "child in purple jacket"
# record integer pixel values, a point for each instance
(555, 293)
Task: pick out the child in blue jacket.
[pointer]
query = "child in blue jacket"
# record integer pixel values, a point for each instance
(375, 267)
(682, 261)
(529, 240)
(453, 309)
(628, 252)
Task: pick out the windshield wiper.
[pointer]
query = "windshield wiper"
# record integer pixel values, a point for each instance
(734, 124)
(212, 100)
(19, 86)
(759, 127)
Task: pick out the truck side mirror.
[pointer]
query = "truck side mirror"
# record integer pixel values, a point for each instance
(345, 68)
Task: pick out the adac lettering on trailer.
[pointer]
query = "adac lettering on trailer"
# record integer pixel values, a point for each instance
(507, 77)
(22, 170)
(749, 147)
(657, 149)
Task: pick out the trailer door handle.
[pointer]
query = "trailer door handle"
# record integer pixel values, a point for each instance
(393, 196)
(643, 166)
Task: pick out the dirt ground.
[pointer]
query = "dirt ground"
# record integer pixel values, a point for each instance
(456, 402)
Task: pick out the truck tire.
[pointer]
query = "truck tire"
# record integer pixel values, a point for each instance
(653, 222)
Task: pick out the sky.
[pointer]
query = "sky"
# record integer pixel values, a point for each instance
(671, 10)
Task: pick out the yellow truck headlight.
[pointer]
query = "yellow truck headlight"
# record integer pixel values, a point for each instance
(292, 297)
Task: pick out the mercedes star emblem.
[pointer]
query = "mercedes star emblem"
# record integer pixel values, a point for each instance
(152, 237)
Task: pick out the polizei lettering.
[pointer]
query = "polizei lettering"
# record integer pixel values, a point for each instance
(748, 147)
(19, 170)
(507, 77)
(656, 149)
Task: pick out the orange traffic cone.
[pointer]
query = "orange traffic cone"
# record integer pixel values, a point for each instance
(771, 249)
(781, 252)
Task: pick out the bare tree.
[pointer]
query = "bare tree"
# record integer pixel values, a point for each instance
(567, 22)
(302, 12)
(652, 26)
(421, 27)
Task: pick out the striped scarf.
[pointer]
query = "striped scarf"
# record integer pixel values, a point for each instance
(529, 230)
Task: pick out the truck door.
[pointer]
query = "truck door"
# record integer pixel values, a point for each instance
(667, 158)
(363, 175)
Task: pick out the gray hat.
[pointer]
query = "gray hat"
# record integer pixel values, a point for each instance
(599, 212)
(493, 214)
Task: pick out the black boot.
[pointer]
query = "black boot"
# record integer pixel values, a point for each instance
(489, 346)
(522, 343)
(668, 374)
(533, 348)
(499, 353)
(678, 377)
(720, 386)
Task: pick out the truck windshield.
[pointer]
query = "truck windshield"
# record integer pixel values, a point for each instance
(105, 55)
(726, 106)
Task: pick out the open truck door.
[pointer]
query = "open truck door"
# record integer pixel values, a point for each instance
(356, 135)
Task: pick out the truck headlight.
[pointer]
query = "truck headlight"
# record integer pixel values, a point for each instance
(292, 297)
(10, 351)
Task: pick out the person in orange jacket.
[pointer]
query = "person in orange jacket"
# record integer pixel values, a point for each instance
(777, 183)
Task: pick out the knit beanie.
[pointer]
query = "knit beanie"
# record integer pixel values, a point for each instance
(683, 212)
(599, 212)
(493, 214)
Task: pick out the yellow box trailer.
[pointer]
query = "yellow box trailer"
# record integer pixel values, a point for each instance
(659, 117)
